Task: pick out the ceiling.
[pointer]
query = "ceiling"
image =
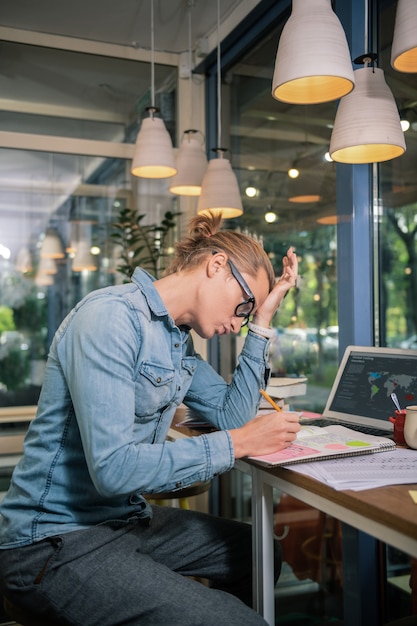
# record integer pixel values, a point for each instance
(127, 22)
(50, 86)
(66, 84)
(91, 96)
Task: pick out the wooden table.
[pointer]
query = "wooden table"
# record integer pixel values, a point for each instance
(387, 514)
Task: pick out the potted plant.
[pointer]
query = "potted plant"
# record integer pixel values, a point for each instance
(142, 244)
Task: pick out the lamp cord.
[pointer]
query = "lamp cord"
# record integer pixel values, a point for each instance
(366, 14)
(152, 58)
(219, 110)
(190, 61)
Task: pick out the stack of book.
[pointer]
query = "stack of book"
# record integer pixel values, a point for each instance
(282, 388)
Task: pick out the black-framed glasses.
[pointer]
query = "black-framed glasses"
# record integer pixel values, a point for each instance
(245, 308)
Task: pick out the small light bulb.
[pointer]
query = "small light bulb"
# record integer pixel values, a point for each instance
(270, 217)
(251, 192)
(293, 172)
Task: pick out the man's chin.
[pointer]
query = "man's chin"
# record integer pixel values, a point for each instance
(204, 334)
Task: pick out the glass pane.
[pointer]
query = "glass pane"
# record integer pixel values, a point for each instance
(398, 211)
(92, 96)
(57, 244)
(64, 200)
(289, 208)
(396, 224)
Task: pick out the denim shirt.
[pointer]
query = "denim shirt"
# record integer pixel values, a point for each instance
(117, 370)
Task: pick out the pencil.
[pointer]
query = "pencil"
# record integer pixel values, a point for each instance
(270, 400)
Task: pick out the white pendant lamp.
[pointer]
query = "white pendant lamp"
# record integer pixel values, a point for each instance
(191, 164)
(47, 266)
(220, 193)
(153, 156)
(43, 280)
(83, 259)
(367, 126)
(313, 62)
(24, 261)
(220, 190)
(304, 190)
(51, 247)
(191, 160)
(404, 43)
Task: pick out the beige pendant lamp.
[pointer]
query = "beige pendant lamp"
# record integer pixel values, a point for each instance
(43, 280)
(83, 259)
(153, 156)
(220, 193)
(313, 62)
(304, 190)
(220, 190)
(191, 160)
(404, 43)
(191, 164)
(367, 126)
(24, 261)
(47, 265)
(51, 247)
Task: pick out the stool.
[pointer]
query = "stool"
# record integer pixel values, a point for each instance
(19, 615)
(181, 495)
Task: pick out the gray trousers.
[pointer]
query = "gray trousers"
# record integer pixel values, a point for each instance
(133, 572)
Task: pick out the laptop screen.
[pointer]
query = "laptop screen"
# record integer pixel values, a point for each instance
(365, 380)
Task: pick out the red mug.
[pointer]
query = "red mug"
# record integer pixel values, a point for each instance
(398, 422)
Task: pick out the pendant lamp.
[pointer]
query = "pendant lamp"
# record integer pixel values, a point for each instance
(47, 266)
(24, 261)
(43, 280)
(153, 156)
(367, 126)
(191, 164)
(51, 247)
(304, 190)
(191, 160)
(83, 259)
(313, 62)
(220, 190)
(404, 43)
(220, 193)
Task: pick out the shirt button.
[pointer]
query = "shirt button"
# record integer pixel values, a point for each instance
(178, 485)
(179, 388)
(176, 345)
(158, 380)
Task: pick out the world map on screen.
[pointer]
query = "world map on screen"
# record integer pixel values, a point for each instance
(389, 383)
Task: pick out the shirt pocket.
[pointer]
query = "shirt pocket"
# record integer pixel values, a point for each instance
(154, 388)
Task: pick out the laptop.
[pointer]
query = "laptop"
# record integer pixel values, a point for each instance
(360, 397)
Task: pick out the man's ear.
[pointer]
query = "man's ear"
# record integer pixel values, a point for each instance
(216, 262)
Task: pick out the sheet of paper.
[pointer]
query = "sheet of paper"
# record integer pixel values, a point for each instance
(413, 495)
(396, 467)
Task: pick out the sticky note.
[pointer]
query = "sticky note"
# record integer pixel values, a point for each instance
(413, 494)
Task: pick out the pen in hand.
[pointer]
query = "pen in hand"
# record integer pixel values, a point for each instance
(270, 400)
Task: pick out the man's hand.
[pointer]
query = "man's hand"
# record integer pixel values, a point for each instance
(265, 434)
(288, 279)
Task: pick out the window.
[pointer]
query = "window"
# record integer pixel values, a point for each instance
(288, 187)
(397, 216)
(67, 129)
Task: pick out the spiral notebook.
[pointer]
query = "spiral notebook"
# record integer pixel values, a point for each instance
(315, 443)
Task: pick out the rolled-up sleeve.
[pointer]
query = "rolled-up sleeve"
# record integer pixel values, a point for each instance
(231, 405)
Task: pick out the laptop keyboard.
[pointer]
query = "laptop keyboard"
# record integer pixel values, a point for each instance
(367, 430)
